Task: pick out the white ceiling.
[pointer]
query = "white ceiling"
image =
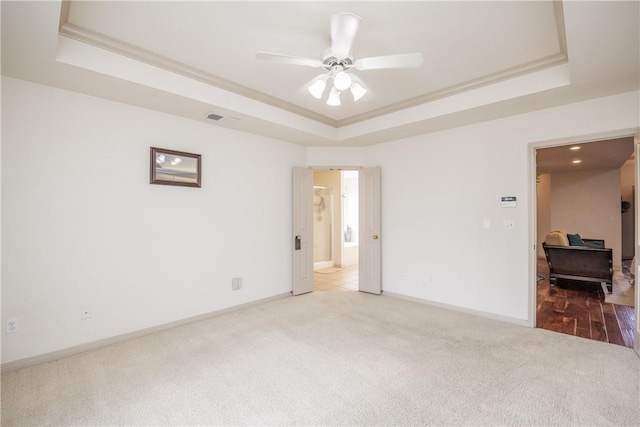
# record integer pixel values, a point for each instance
(483, 60)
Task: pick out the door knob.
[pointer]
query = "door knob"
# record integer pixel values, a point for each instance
(375, 237)
(298, 240)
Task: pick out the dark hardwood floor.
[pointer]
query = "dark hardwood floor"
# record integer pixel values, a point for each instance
(578, 308)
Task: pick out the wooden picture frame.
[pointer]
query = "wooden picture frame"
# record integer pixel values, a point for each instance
(171, 167)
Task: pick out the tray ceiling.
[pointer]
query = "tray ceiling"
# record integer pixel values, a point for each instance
(464, 44)
(483, 60)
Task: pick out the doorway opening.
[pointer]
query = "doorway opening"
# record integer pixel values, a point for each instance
(368, 231)
(585, 192)
(335, 230)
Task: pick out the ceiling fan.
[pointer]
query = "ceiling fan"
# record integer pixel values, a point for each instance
(338, 59)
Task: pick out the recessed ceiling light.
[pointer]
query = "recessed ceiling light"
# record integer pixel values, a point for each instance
(575, 147)
(577, 161)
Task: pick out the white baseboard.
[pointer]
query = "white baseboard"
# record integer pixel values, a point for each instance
(322, 264)
(54, 355)
(507, 319)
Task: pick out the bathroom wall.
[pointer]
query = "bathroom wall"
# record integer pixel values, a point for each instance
(322, 227)
(350, 217)
(331, 180)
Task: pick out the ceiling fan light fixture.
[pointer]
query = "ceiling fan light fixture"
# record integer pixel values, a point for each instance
(357, 90)
(334, 97)
(338, 58)
(342, 81)
(317, 88)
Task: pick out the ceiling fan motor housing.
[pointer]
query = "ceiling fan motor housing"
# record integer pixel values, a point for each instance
(329, 62)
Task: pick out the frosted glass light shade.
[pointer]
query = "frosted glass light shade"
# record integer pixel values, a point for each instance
(357, 90)
(334, 97)
(317, 88)
(342, 81)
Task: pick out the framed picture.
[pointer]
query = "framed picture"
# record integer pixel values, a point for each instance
(170, 167)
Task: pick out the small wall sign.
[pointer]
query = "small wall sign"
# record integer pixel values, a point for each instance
(509, 202)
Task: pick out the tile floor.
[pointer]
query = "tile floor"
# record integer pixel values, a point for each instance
(344, 279)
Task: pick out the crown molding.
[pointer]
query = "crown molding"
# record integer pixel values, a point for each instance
(558, 11)
(510, 73)
(101, 41)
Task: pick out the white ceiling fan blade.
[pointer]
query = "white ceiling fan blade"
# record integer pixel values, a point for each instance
(288, 59)
(409, 60)
(344, 27)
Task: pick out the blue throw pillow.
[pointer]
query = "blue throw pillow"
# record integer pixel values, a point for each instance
(575, 240)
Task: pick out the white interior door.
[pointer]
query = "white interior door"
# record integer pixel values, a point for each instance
(636, 334)
(370, 270)
(302, 237)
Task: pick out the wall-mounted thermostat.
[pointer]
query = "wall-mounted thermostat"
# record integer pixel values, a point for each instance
(509, 202)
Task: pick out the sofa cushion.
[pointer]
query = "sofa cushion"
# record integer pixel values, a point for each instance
(598, 244)
(557, 238)
(575, 240)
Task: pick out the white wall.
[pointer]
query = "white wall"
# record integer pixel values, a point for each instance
(330, 179)
(335, 156)
(437, 190)
(83, 228)
(350, 195)
(588, 203)
(350, 250)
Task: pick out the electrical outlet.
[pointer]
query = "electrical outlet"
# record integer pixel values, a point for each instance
(85, 314)
(235, 283)
(12, 326)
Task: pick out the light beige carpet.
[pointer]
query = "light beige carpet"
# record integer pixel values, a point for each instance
(622, 292)
(334, 358)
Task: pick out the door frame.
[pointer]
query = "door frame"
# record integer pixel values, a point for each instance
(532, 241)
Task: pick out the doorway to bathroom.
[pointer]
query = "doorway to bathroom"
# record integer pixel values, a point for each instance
(335, 230)
(369, 248)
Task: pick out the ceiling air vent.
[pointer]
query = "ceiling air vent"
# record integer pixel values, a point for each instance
(227, 120)
(215, 117)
